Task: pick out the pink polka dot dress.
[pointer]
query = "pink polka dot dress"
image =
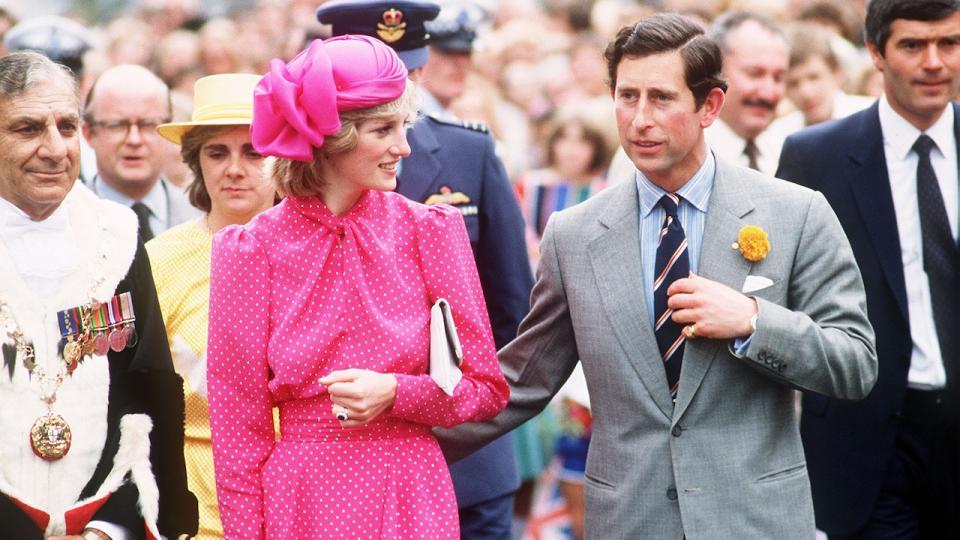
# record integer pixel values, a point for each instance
(298, 293)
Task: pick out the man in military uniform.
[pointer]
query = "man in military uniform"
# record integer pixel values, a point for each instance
(455, 164)
(448, 63)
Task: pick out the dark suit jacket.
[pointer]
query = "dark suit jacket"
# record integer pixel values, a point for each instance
(848, 444)
(453, 159)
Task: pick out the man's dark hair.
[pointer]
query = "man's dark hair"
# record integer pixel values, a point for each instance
(882, 13)
(702, 60)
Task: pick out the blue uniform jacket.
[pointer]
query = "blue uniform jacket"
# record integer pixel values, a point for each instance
(465, 172)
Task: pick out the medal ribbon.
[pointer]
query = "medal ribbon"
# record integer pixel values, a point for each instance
(116, 312)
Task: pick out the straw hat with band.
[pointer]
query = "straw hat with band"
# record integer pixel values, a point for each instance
(218, 100)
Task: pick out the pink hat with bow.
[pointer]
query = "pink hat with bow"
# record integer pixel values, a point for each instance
(297, 104)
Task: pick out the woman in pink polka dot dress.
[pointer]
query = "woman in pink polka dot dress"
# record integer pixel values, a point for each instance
(320, 306)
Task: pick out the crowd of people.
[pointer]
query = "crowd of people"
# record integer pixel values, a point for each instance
(742, 218)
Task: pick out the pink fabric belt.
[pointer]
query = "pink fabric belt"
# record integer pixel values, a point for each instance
(311, 420)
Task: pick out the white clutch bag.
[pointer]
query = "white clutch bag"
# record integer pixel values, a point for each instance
(445, 352)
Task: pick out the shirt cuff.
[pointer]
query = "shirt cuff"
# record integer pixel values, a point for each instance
(741, 344)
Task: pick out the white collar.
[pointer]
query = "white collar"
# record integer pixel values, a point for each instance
(43, 252)
(155, 199)
(900, 135)
(13, 219)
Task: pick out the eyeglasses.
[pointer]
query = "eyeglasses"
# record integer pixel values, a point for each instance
(147, 127)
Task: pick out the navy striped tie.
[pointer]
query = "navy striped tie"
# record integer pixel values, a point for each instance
(672, 264)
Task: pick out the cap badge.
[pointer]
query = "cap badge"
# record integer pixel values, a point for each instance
(392, 28)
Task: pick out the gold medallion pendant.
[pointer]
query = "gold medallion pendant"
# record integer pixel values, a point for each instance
(50, 437)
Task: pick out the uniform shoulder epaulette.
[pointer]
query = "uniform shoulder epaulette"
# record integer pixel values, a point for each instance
(453, 121)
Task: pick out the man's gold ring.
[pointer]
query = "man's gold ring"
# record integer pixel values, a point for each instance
(690, 331)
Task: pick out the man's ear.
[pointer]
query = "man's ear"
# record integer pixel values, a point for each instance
(711, 107)
(85, 129)
(876, 55)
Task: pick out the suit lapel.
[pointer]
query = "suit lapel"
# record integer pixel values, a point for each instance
(871, 189)
(719, 261)
(956, 139)
(420, 170)
(615, 257)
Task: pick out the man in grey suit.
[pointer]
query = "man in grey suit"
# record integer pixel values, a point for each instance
(704, 444)
(120, 119)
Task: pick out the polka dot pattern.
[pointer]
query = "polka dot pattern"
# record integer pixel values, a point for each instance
(298, 293)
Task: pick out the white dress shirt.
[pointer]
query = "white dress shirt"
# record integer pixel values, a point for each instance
(43, 252)
(926, 363)
(729, 146)
(155, 200)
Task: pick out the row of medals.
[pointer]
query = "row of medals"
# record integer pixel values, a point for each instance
(50, 435)
(97, 342)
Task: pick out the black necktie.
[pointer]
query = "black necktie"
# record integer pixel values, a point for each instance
(939, 251)
(672, 264)
(752, 153)
(143, 218)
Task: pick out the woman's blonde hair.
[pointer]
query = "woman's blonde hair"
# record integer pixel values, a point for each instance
(302, 178)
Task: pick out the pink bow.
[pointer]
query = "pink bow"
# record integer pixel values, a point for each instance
(296, 105)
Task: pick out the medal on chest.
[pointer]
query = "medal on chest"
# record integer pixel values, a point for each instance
(92, 328)
(97, 328)
(50, 437)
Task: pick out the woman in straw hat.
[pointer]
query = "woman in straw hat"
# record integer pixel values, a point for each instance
(230, 187)
(321, 306)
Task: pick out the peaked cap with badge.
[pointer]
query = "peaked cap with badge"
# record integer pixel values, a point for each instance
(400, 24)
(455, 28)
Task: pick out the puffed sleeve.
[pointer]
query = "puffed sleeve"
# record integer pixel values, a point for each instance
(240, 406)
(449, 272)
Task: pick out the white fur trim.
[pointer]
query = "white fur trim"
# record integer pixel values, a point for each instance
(90, 218)
(133, 456)
(106, 235)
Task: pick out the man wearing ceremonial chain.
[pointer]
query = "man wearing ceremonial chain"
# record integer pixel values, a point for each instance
(91, 411)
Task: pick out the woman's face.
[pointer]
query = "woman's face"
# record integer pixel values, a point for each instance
(572, 152)
(381, 142)
(233, 175)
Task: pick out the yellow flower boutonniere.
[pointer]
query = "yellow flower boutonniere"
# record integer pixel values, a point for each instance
(753, 243)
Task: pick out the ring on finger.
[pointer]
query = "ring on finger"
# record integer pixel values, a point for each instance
(341, 414)
(690, 331)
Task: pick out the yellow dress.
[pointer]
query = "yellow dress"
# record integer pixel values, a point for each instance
(180, 258)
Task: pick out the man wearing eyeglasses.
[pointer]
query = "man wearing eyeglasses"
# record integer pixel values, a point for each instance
(123, 109)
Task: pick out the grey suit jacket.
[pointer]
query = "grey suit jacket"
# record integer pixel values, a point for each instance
(726, 460)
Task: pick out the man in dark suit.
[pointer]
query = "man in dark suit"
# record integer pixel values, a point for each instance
(887, 467)
(454, 163)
